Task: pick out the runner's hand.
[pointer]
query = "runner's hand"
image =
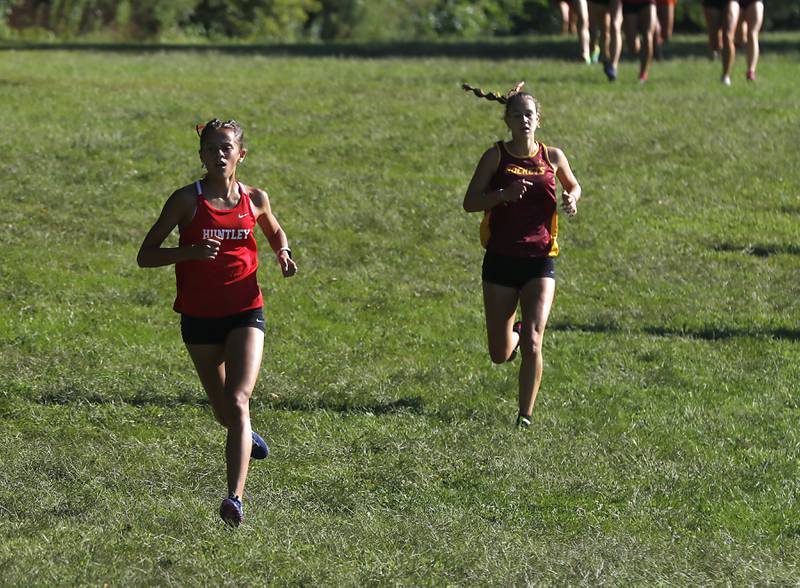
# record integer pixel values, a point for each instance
(288, 266)
(206, 249)
(569, 204)
(516, 191)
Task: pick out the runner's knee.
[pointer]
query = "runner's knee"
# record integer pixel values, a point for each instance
(498, 354)
(238, 405)
(530, 343)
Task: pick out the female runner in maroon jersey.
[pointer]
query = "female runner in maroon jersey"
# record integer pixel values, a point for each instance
(222, 319)
(514, 186)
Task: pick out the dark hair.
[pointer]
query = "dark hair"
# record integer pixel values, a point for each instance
(512, 96)
(215, 124)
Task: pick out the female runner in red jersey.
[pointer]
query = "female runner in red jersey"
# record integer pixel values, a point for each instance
(514, 186)
(221, 307)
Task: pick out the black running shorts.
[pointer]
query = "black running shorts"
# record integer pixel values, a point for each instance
(515, 272)
(214, 331)
(635, 8)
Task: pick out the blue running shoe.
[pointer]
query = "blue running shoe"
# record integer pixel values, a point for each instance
(231, 511)
(260, 449)
(610, 71)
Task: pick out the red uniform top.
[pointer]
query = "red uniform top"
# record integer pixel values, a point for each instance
(527, 227)
(227, 284)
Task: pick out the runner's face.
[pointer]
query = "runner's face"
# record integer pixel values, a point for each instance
(221, 153)
(522, 117)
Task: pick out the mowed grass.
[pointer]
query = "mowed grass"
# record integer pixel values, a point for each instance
(665, 441)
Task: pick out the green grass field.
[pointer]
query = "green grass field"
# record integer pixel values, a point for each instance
(665, 442)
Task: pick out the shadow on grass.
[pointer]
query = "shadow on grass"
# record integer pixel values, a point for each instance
(720, 333)
(69, 395)
(143, 398)
(757, 250)
(412, 404)
(501, 48)
(585, 327)
(703, 333)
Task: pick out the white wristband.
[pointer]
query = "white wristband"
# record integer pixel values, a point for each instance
(286, 249)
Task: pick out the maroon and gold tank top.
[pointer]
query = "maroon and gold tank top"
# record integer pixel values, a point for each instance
(227, 284)
(527, 227)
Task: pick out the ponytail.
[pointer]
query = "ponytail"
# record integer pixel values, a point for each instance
(514, 93)
(501, 98)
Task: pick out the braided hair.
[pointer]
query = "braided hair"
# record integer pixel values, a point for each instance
(507, 99)
(215, 124)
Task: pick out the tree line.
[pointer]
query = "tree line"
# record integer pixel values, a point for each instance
(310, 20)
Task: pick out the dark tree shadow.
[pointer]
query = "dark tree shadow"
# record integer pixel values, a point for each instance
(500, 48)
(478, 49)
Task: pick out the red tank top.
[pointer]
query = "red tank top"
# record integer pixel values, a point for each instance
(527, 227)
(225, 285)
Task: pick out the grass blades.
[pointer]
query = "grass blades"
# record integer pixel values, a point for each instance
(664, 446)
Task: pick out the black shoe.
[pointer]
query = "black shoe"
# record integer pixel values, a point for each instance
(517, 328)
(523, 421)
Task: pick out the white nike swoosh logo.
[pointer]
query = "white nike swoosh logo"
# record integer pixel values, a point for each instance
(243, 215)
